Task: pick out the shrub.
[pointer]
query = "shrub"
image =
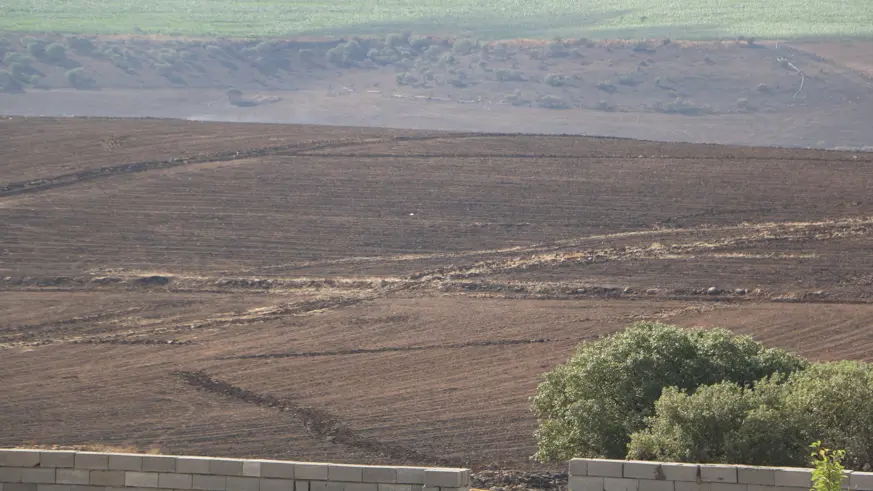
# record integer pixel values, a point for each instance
(36, 48)
(13, 57)
(507, 75)
(464, 46)
(80, 45)
(606, 86)
(55, 52)
(833, 402)
(605, 106)
(555, 80)
(552, 102)
(8, 82)
(557, 48)
(347, 53)
(723, 423)
(766, 424)
(79, 79)
(828, 474)
(420, 42)
(395, 40)
(21, 73)
(590, 406)
(307, 56)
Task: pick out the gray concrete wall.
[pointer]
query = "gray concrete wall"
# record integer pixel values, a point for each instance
(51, 470)
(626, 475)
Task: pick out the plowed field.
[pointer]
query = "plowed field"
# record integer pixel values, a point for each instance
(364, 295)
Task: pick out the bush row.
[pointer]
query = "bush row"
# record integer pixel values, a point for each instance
(660, 392)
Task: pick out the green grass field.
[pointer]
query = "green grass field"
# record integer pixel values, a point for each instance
(486, 19)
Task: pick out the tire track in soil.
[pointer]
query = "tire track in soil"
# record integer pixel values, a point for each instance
(319, 423)
(539, 156)
(302, 149)
(53, 182)
(385, 349)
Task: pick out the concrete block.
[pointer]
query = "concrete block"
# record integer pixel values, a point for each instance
(193, 465)
(410, 475)
(395, 487)
(454, 489)
(38, 475)
(18, 486)
(728, 486)
(125, 462)
(82, 487)
(764, 476)
(57, 458)
(784, 488)
(159, 463)
(848, 479)
(107, 478)
(680, 472)
(345, 473)
(11, 474)
(387, 475)
(325, 486)
(141, 479)
(243, 483)
(175, 481)
(861, 480)
(651, 485)
(226, 467)
(301, 485)
(718, 473)
(793, 477)
(586, 483)
(252, 468)
(605, 468)
(209, 483)
(634, 469)
(447, 478)
(360, 486)
(73, 476)
(92, 460)
(310, 472)
(424, 488)
(276, 485)
(578, 467)
(277, 469)
(14, 457)
(693, 486)
(620, 484)
(52, 487)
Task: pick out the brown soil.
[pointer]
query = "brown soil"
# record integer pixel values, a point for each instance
(364, 295)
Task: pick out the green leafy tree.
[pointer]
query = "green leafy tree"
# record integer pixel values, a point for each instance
(833, 402)
(723, 423)
(591, 405)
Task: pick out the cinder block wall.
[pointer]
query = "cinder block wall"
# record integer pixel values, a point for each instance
(44, 470)
(628, 475)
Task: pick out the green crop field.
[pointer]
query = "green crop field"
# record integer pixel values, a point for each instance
(486, 19)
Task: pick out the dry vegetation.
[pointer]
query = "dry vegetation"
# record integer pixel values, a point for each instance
(365, 295)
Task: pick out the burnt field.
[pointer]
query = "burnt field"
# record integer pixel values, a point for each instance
(365, 295)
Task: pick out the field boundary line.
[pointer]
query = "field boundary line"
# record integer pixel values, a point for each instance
(319, 423)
